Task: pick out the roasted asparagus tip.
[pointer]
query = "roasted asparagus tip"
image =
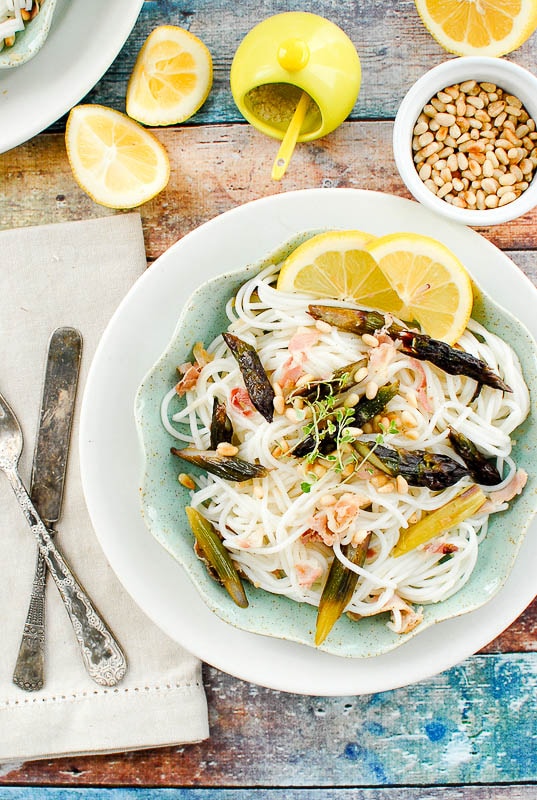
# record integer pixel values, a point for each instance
(352, 320)
(481, 470)
(326, 619)
(255, 378)
(216, 556)
(230, 468)
(461, 507)
(339, 588)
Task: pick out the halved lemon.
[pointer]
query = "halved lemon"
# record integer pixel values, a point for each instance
(433, 285)
(116, 161)
(171, 79)
(336, 265)
(479, 27)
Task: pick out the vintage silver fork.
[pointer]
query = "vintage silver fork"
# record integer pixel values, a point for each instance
(103, 658)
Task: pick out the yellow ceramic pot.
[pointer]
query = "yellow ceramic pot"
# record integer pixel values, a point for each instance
(288, 54)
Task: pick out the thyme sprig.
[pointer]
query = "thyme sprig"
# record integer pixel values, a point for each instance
(328, 421)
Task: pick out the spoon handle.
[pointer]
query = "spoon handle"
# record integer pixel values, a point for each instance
(101, 653)
(289, 140)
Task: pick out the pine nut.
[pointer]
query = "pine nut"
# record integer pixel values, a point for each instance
(279, 404)
(425, 172)
(186, 480)
(227, 449)
(504, 189)
(420, 127)
(360, 374)
(388, 488)
(371, 390)
(445, 189)
(369, 340)
(489, 185)
(467, 86)
(352, 400)
(507, 179)
(475, 145)
(356, 432)
(305, 379)
(401, 485)
(379, 480)
(508, 197)
(488, 168)
(408, 419)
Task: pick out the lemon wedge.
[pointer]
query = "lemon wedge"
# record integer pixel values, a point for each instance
(336, 265)
(113, 159)
(479, 27)
(171, 79)
(432, 284)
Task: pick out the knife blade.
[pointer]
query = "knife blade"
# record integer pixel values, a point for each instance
(47, 484)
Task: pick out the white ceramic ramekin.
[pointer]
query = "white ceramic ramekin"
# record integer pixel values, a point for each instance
(513, 79)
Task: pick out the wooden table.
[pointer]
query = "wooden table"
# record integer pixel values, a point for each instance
(470, 732)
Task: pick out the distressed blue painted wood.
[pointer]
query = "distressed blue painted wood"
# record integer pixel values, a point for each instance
(445, 793)
(475, 723)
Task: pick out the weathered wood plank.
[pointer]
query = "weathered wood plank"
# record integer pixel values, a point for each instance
(216, 168)
(522, 634)
(394, 47)
(444, 793)
(473, 724)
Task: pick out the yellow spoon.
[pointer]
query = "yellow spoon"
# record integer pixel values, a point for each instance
(289, 140)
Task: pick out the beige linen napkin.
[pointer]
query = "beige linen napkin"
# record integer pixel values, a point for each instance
(76, 273)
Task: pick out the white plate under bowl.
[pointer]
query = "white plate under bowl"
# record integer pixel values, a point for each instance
(84, 39)
(111, 460)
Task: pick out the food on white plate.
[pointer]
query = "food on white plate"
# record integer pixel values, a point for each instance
(14, 15)
(348, 460)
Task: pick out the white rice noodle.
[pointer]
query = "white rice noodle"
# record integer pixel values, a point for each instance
(263, 522)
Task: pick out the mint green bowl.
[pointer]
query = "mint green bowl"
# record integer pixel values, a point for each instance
(163, 499)
(29, 41)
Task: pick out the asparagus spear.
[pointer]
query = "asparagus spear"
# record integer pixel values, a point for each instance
(461, 507)
(339, 588)
(221, 426)
(230, 468)
(417, 345)
(418, 467)
(481, 470)
(255, 378)
(216, 557)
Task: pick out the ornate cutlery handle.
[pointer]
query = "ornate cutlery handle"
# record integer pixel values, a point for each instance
(30, 667)
(102, 655)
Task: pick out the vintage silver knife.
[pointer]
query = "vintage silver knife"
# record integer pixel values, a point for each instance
(47, 483)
